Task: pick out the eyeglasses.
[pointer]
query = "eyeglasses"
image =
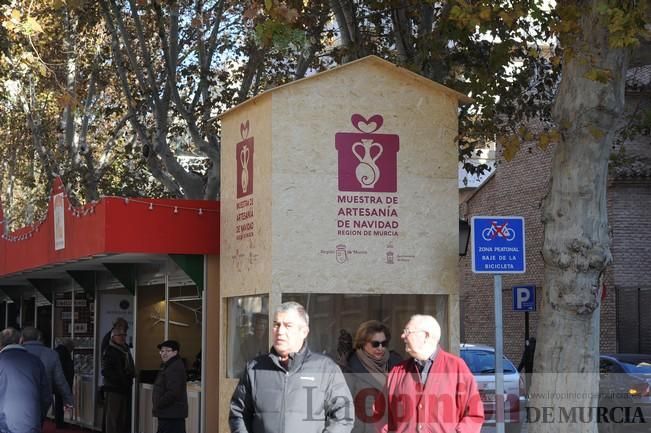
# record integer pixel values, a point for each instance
(166, 350)
(408, 331)
(377, 344)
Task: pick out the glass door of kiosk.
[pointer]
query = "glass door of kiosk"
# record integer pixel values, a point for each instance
(248, 331)
(74, 316)
(13, 314)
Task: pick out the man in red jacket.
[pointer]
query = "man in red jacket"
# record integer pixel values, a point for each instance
(433, 391)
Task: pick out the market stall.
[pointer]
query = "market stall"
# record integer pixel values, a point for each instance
(73, 273)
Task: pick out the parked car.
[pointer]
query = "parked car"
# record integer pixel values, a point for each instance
(481, 362)
(625, 393)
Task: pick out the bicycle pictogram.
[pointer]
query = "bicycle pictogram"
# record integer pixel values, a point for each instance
(497, 230)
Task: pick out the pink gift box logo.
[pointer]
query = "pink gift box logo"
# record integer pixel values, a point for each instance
(244, 162)
(367, 160)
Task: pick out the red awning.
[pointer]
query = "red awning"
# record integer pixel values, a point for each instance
(112, 225)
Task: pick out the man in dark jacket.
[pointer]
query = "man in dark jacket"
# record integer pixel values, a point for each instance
(170, 396)
(120, 322)
(291, 389)
(30, 339)
(118, 372)
(527, 360)
(25, 393)
(64, 350)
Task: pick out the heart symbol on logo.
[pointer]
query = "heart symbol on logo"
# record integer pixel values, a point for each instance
(244, 129)
(371, 125)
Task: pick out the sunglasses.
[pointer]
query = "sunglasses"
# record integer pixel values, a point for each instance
(376, 344)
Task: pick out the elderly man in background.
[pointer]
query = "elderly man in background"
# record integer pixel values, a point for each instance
(118, 371)
(291, 389)
(121, 323)
(25, 393)
(433, 391)
(31, 341)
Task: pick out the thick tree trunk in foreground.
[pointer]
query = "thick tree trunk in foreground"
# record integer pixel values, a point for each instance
(576, 247)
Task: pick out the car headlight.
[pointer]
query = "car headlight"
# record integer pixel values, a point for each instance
(643, 390)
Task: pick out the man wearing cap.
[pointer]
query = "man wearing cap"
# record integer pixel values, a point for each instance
(170, 397)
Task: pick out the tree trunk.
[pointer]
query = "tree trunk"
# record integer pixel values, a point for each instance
(576, 246)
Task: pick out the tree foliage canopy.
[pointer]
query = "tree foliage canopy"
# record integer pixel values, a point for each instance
(123, 96)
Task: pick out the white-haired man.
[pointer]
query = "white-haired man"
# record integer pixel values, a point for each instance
(291, 389)
(432, 391)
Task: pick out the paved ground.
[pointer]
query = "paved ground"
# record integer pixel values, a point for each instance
(493, 429)
(49, 427)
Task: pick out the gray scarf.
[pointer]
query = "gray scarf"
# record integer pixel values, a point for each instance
(377, 368)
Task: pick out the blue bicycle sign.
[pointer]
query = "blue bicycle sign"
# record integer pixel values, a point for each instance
(498, 231)
(498, 245)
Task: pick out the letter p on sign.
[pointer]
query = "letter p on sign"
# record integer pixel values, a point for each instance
(524, 298)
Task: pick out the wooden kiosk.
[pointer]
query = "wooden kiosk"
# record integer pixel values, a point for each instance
(339, 191)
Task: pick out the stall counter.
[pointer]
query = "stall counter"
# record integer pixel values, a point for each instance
(148, 424)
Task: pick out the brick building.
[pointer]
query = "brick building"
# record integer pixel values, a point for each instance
(517, 187)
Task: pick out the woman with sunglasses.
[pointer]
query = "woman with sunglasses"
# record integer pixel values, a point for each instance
(367, 367)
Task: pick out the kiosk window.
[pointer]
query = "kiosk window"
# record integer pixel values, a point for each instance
(332, 313)
(248, 331)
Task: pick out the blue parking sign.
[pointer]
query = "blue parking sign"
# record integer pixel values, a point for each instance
(498, 245)
(524, 298)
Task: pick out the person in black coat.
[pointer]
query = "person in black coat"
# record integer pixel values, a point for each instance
(366, 371)
(64, 350)
(170, 396)
(118, 323)
(527, 359)
(118, 371)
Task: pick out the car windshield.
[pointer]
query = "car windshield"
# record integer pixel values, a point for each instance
(637, 366)
(483, 362)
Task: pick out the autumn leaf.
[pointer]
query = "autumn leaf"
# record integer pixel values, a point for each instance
(8, 25)
(485, 13)
(547, 138)
(292, 15)
(251, 12)
(32, 26)
(510, 146)
(597, 133)
(600, 75)
(543, 141)
(66, 100)
(508, 19)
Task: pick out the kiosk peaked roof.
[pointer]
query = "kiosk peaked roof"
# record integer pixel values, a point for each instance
(112, 225)
(369, 61)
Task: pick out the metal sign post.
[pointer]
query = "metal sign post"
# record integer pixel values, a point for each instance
(498, 248)
(524, 299)
(499, 354)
